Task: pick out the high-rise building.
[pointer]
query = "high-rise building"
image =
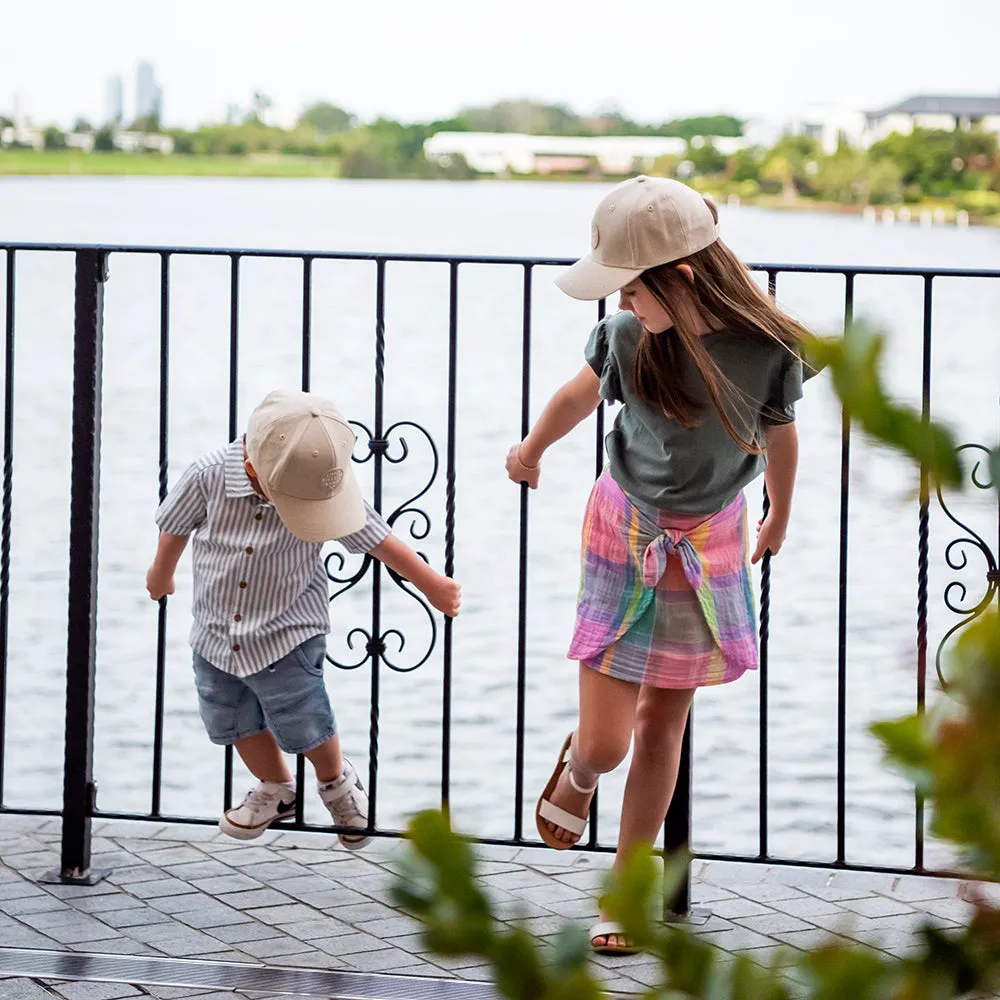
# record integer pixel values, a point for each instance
(148, 94)
(114, 113)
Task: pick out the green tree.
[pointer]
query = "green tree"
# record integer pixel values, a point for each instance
(326, 118)
(706, 158)
(104, 140)
(934, 160)
(745, 164)
(82, 126)
(54, 138)
(705, 125)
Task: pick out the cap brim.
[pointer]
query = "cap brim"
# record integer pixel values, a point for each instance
(323, 520)
(589, 280)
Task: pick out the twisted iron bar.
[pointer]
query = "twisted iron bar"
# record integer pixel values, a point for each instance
(419, 528)
(956, 592)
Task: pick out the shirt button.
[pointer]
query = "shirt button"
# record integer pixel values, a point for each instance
(237, 617)
(236, 648)
(258, 516)
(243, 585)
(249, 550)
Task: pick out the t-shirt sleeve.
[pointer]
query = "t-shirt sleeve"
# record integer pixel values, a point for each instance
(785, 391)
(601, 359)
(185, 508)
(375, 530)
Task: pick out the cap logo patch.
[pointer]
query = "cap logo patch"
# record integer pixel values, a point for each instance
(332, 479)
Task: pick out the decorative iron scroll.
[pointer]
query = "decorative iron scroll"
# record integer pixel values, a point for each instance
(419, 528)
(955, 554)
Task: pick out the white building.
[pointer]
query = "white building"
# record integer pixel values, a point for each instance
(23, 135)
(132, 142)
(148, 94)
(828, 124)
(503, 152)
(930, 111)
(114, 113)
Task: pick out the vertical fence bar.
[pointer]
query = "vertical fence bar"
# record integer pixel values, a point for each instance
(923, 531)
(845, 492)
(593, 832)
(161, 622)
(449, 527)
(677, 826)
(375, 645)
(234, 358)
(306, 323)
(300, 760)
(522, 563)
(8, 494)
(81, 648)
(763, 706)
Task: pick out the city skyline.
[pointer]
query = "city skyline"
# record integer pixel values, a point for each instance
(420, 64)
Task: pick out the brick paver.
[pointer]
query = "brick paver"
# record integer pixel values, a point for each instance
(299, 900)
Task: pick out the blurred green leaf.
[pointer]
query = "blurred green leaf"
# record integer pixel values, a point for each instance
(854, 361)
(570, 949)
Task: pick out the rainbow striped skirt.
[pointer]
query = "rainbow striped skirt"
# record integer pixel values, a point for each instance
(665, 599)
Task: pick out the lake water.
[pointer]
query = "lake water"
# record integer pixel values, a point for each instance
(475, 218)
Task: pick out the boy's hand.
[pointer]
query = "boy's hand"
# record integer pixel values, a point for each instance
(770, 536)
(519, 472)
(445, 594)
(159, 584)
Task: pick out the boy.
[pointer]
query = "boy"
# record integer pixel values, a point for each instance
(260, 510)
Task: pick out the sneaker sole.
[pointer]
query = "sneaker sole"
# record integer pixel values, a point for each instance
(354, 845)
(250, 833)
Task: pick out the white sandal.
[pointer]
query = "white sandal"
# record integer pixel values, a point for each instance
(546, 811)
(606, 929)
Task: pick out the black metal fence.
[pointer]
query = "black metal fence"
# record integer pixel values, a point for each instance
(78, 809)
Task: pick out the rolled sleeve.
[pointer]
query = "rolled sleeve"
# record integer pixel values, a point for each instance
(185, 507)
(786, 391)
(601, 359)
(375, 530)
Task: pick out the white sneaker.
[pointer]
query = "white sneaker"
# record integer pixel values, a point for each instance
(348, 804)
(268, 802)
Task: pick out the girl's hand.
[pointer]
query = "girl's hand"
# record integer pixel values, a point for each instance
(770, 536)
(444, 593)
(519, 472)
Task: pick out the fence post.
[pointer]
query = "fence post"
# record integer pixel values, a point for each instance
(79, 789)
(677, 837)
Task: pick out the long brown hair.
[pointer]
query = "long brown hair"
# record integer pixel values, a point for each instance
(723, 295)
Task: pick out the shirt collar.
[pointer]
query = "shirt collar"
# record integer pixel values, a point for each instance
(237, 481)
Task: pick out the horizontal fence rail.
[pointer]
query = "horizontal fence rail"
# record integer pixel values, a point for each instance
(380, 445)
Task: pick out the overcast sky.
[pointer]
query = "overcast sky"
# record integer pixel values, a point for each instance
(417, 61)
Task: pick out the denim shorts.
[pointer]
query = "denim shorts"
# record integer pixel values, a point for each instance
(289, 698)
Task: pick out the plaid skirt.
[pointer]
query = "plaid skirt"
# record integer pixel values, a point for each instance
(665, 599)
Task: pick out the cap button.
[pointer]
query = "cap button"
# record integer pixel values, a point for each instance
(641, 179)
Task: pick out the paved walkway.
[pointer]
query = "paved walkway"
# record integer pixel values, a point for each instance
(299, 901)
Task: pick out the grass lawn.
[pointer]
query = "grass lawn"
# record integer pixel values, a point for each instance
(75, 162)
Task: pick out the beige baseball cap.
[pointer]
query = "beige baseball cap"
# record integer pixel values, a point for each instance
(300, 446)
(643, 222)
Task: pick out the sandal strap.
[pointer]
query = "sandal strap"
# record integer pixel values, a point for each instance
(582, 789)
(574, 824)
(606, 928)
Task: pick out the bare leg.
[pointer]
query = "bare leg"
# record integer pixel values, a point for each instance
(600, 742)
(660, 717)
(263, 758)
(327, 759)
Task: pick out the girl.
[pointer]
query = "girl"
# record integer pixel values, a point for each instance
(707, 371)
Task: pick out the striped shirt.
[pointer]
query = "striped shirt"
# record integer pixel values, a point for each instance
(259, 591)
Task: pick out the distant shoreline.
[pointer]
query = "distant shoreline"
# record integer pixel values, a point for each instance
(74, 163)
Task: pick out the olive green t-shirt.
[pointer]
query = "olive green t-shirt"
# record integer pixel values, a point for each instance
(702, 470)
